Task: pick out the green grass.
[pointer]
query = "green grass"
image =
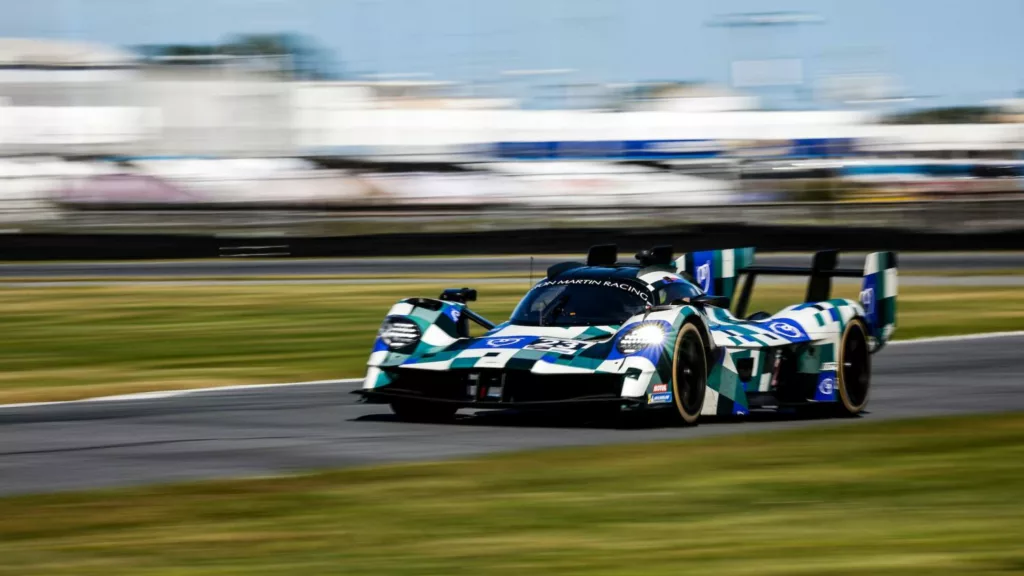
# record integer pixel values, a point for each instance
(930, 497)
(966, 272)
(66, 343)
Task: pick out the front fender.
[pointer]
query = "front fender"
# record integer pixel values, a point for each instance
(440, 323)
(655, 362)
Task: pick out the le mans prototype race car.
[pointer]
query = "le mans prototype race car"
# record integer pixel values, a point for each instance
(664, 334)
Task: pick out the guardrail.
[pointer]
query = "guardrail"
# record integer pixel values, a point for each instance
(951, 215)
(110, 246)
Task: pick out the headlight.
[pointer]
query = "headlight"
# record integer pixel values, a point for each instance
(643, 336)
(398, 333)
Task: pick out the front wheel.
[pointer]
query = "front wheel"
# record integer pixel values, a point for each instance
(854, 369)
(423, 411)
(689, 374)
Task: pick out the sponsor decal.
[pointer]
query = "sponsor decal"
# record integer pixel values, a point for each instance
(703, 276)
(558, 345)
(704, 270)
(454, 314)
(659, 388)
(625, 286)
(503, 342)
(783, 329)
(867, 299)
(827, 389)
(828, 366)
(659, 398)
(787, 329)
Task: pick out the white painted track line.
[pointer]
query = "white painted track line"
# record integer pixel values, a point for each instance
(172, 393)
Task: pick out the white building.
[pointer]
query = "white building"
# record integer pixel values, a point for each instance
(67, 96)
(61, 97)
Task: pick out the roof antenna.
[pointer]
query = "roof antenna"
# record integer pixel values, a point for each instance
(540, 313)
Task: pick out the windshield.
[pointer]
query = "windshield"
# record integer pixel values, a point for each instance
(581, 303)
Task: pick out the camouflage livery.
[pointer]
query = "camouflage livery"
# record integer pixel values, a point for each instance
(715, 271)
(743, 353)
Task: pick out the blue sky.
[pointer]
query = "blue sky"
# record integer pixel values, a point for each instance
(955, 51)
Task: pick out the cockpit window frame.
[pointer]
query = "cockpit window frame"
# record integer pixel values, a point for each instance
(627, 287)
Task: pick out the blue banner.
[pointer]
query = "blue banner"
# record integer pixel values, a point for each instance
(609, 150)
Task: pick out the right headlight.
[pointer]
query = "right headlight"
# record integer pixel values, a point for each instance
(643, 336)
(398, 333)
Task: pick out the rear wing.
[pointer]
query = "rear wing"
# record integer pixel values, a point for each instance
(724, 272)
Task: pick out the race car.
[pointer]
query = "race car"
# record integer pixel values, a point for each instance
(663, 335)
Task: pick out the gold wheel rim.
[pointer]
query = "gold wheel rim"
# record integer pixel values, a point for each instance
(676, 396)
(841, 373)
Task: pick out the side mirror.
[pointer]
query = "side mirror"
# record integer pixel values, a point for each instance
(657, 256)
(705, 300)
(462, 295)
(709, 300)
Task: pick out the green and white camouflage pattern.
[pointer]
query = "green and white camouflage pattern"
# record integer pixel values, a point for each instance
(814, 329)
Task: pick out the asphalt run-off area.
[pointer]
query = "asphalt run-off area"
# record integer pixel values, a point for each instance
(261, 430)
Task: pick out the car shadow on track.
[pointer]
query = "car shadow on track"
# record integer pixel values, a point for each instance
(517, 419)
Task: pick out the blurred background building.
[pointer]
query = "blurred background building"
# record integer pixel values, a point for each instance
(270, 119)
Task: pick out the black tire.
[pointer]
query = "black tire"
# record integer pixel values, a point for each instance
(689, 374)
(412, 411)
(853, 369)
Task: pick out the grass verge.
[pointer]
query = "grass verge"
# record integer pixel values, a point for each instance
(75, 342)
(938, 496)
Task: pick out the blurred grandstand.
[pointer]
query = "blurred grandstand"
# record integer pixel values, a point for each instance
(101, 137)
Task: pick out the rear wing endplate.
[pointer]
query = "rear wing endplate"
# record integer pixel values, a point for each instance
(877, 295)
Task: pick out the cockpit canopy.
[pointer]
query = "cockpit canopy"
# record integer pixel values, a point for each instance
(595, 299)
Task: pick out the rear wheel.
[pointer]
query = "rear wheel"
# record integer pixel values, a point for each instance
(423, 411)
(854, 369)
(689, 374)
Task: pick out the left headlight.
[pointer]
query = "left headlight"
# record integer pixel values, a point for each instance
(398, 333)
(643, 336)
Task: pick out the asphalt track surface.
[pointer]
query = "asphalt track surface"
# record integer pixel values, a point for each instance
(287, 429)
(909, 262)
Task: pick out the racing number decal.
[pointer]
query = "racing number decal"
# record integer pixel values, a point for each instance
(558, 345)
